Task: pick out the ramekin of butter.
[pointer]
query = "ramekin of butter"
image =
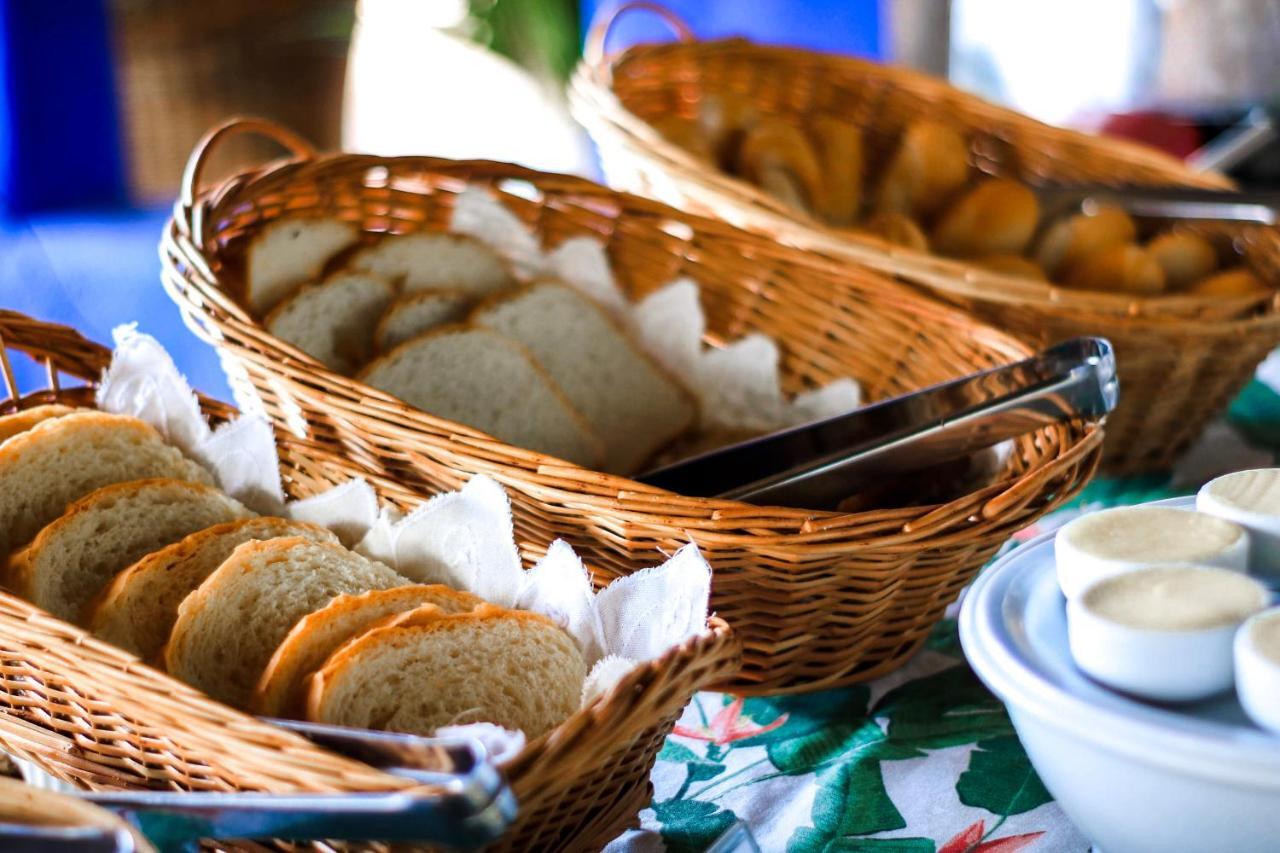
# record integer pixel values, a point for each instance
(1257, 660)
(1113, 541)
(1165, 632)
(1252, 500)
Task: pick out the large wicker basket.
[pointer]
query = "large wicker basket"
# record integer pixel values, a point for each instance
(97, 717)
(819, 598)
(1181, 359)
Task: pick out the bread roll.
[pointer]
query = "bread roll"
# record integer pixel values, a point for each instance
(1119, 269)
(281, 691)
(107, 531)
(930, 166)
(725, 119)
(515, 669)
(230, 626)
(136, 611)
(776, 157)
(61, 460)
(997, 217)
(1184, 257)
(1236, 281)
(839, 146)
(1070, 240)
(1015, 265)
(898, 229)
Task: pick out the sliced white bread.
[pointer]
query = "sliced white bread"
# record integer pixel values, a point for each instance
(411, 315)
(62, 459)
(516, 669)
(333, 321)
(487, 381)
(11, 425)
(428, 261)
(281, 692)
(227, 630)
(74, 557)
(137, 609)
(633, 405)
(289, 252)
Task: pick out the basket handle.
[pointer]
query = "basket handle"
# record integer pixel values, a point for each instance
(593, 48)
(234, 126)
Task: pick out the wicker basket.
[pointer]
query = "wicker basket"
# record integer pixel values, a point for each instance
(1181, 359)
(819, 598)
(95, 716)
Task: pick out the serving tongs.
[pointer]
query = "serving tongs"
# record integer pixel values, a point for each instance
(468, 805)
(819, 465)
(1169, 203)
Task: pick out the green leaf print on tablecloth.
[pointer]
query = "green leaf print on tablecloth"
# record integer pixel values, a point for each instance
(690, 826)
(851, 800)
(950, 708)
(1000, 779)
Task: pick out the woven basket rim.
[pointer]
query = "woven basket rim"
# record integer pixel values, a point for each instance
(594, 101)
(324, 386)
(716, 650)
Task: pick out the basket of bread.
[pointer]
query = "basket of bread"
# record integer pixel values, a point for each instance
(170, 586)
(603, 332)
(907, 175)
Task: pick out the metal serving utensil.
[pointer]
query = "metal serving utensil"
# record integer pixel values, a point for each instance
(472, 806)
(818, 465)
(1183, 203)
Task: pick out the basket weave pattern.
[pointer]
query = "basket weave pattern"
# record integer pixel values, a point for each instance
(819, 598)
(97, 717)
(1180, 359)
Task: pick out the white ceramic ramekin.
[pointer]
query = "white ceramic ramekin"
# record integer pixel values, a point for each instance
(1245, 498)
(1258, 672)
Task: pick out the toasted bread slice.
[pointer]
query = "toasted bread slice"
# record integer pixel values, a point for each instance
(61, 460)
(74, 557)
(11, 425)
(428, 261)
(513, 668)
(227, 630)
(333, 321)
(633, 406)
(410, 316)
(288, 253)
(137, 609)
(281, 692)
(485, 380)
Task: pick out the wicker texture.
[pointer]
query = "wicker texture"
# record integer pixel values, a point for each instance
(1208, 346)
(95, 716)
(819, 598)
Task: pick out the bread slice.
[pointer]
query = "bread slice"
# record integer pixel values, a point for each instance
(281, 692)
(428, 261)
(12, 424)
(227, 630)
(289, 252)
(137, 609)
(73, 558)
(410, 316)
(633, 406)
(333, 321)
(487, 381)
(513, 668)
(61, 460)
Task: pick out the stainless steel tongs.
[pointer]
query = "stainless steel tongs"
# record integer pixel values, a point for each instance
(818, 465)
(473, 805)
(1184, 203)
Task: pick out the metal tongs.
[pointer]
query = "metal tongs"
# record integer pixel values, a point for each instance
(818, 465)
(1182, 203)
(472, 807)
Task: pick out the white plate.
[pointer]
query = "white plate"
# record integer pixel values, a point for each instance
(1134, 776)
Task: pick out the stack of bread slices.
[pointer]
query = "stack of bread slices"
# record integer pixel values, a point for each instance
(441, 321)
(108, 526)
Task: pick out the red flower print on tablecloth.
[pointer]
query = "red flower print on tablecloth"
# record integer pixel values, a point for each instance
(969, 840)
(729, 725)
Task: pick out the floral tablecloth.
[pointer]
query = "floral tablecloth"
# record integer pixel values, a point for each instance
(921, 761)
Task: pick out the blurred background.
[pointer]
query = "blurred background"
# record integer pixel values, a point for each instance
(101, 101)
